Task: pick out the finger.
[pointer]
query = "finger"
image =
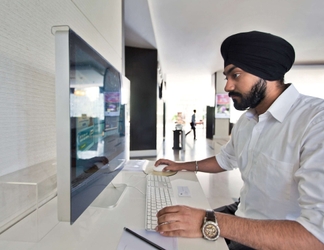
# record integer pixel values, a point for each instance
(168, 218)
(168, 226)
(173, 214)
(182, 233)
(157, 163)
(177, 233)
(169, 209)
(179, 229)
(160, 161)
(171, 234)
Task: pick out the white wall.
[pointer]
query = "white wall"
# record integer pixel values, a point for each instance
(308, 79)
(27, 69)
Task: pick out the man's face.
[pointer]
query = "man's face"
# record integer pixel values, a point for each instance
(246, 90)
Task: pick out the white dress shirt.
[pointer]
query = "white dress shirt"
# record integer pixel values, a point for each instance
(281, 158)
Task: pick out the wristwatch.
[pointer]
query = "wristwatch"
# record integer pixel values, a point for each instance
(210, 228)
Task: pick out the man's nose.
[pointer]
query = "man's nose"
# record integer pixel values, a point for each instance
(229, 86)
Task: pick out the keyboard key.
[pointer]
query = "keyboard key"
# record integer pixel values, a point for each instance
(159, 194)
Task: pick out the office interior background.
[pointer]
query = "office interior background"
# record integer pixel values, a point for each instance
(186, 35)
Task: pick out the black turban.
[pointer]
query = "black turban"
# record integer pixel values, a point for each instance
(261, 54)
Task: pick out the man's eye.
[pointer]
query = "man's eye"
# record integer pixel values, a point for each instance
(233, 76)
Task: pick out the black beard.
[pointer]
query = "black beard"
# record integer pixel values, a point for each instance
(253, 98)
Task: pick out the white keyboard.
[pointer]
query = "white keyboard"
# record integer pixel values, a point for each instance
(159, 194)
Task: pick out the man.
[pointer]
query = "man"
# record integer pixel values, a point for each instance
(193, 123)
(278, 145)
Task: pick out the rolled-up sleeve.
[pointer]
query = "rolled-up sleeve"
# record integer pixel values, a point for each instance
(226, 157)
(310, 178)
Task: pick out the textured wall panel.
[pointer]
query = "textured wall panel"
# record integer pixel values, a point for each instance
(27, 73)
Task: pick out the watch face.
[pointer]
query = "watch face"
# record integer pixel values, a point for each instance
(210, 230)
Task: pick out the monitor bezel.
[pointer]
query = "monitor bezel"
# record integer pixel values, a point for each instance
(63, 124)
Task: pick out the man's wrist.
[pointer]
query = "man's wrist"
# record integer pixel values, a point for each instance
(210, 228)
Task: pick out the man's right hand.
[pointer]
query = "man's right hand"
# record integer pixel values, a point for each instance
(171, 165)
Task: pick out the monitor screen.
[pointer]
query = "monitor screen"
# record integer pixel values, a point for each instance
(96, 130)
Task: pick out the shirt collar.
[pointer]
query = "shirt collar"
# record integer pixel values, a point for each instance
(251, 114)
(281, 105)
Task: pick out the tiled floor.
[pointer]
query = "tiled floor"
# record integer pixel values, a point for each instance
(220, 189)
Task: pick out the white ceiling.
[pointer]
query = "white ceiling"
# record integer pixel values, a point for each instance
(188, 33)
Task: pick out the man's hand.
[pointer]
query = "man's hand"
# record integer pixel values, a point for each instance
(180, 221)
(171, 165)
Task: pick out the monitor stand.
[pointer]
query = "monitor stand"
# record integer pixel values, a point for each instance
(110, 196)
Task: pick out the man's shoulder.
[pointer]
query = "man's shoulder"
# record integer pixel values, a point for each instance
(310, 103)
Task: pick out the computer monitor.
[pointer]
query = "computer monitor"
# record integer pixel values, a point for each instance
(90, 120)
